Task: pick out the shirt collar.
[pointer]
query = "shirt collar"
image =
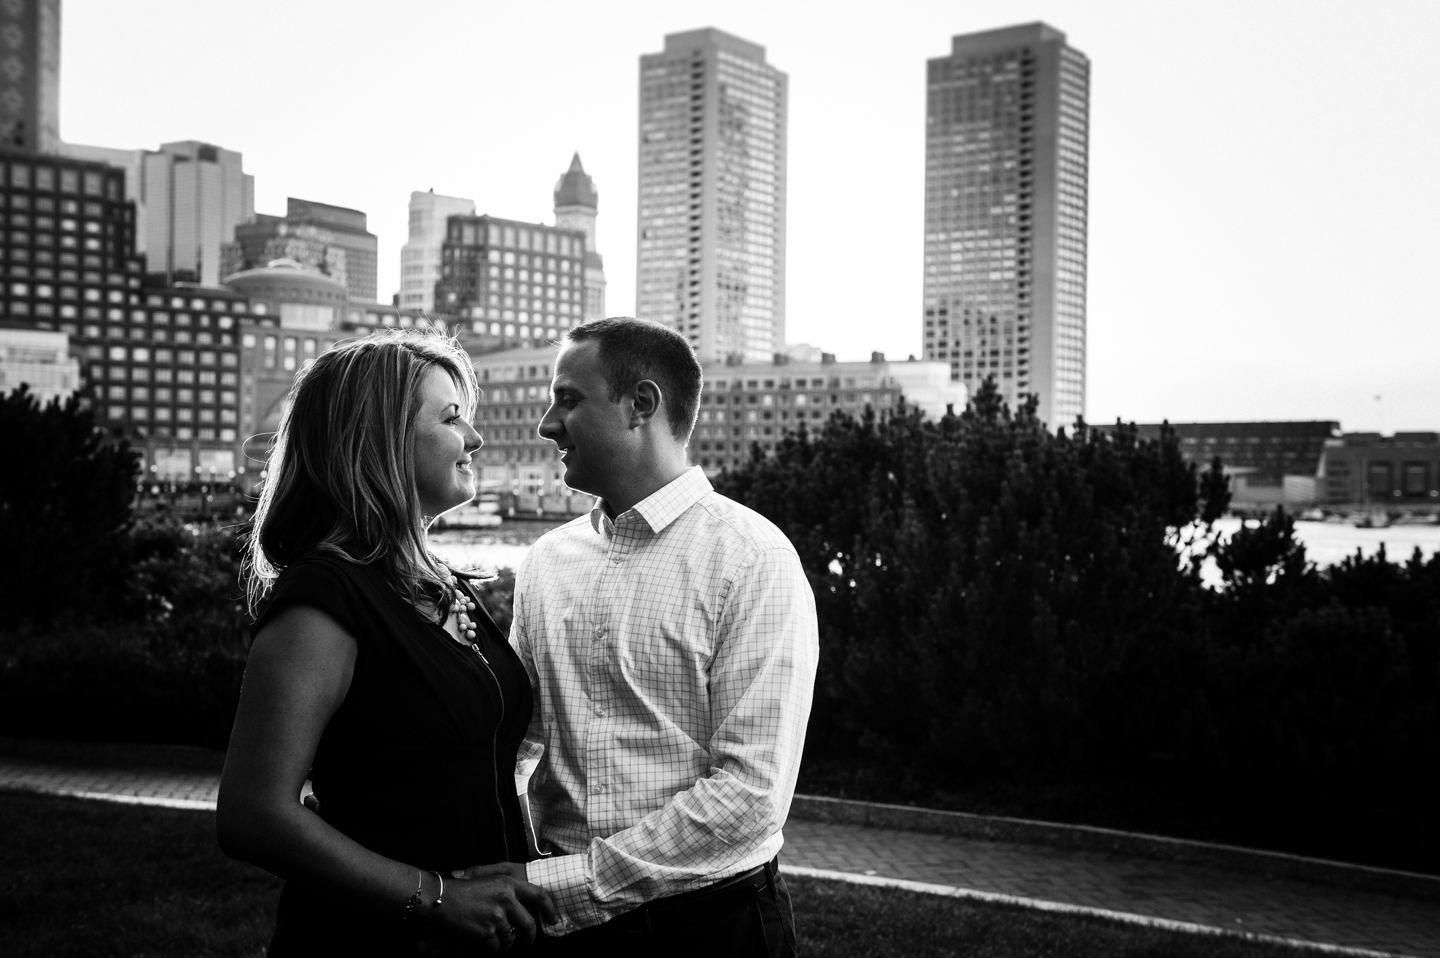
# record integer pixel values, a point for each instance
(664, 505)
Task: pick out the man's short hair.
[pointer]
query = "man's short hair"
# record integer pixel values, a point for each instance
(632, 350)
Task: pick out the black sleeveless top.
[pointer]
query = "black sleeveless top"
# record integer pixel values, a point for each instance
(418, 762)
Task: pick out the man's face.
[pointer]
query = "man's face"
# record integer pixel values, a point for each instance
(593, 433)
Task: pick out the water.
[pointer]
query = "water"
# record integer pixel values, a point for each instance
(501, 547)
(1326, 543)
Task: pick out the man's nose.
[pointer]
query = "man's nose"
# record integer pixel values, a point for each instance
(549, 427)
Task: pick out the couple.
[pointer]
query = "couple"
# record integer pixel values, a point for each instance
(653, 692)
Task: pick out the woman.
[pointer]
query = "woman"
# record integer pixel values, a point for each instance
(375, 673)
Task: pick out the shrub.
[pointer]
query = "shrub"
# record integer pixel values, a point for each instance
(1000, 603)
(65, 496)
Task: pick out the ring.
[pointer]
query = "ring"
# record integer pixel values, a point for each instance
(508, 933)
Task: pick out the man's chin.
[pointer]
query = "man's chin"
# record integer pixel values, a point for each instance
(577, 482)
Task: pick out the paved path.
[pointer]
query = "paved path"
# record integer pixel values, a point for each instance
(1204, 895)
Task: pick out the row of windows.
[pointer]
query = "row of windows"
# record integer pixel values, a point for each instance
(160, 374)
(142, 354)
(164, 394)
(44, 178)
(517, 238)
(183, 336)
(207, 433)
(165, 414)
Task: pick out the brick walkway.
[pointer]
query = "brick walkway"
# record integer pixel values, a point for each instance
(1203, 895)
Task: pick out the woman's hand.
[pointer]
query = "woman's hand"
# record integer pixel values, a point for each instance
(494, 908)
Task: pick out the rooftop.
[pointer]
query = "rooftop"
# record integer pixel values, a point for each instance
(576, 188)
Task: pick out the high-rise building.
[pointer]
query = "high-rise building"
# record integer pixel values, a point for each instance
(710, 260)
(30, 75)
(195, 194)
(162, 365)
(518, 284)
(420, 256)
(1006, 147)
(577, 204)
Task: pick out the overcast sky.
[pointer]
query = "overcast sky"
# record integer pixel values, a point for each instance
(1263, 190)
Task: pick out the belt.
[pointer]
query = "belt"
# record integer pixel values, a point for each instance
(683, 910)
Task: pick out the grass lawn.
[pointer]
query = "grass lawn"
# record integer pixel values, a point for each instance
(92, 879)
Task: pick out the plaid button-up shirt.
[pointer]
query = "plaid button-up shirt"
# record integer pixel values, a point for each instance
(673, 656)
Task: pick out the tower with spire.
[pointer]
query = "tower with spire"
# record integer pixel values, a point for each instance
(577, 205)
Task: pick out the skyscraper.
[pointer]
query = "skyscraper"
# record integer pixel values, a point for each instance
(577, 204)
(420, 256)
(710, 261)
(195, 195)
(1006, 154)
(30, 75)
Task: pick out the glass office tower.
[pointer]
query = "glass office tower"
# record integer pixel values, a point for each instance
(1006, 152)
(711, 233)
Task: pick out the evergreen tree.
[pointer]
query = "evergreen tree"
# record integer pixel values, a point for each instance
(65, 496)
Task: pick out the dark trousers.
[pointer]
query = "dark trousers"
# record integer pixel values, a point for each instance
(748, 916)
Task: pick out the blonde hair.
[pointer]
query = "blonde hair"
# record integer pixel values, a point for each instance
(340, 474)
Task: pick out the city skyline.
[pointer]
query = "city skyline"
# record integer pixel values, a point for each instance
(1253, 204)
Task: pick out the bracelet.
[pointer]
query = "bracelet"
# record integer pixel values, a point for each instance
(439, 899)
(413, 902)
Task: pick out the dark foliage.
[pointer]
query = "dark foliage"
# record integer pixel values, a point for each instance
(65, 496)
(1001, 604)
(168, 671)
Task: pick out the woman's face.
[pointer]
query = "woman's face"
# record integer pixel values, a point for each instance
(443, 442)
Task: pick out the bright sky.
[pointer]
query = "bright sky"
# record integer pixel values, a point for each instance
(1264, 187)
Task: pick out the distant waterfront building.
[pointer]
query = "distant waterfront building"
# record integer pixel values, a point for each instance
(30, 76)
(39, 359)
(1006, 174)
(195, 194)
(710, 258)
(1269, 463)
(577, 204)
(420, 256)
(518, 284)
(758, 403)
(318, 236)
(1365, 471)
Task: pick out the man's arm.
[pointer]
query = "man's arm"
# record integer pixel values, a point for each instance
(761, 682)
(532, 746)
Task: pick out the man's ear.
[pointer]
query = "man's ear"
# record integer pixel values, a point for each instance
(646, 403)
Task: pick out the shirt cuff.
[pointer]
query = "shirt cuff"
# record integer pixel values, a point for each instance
(563, 876)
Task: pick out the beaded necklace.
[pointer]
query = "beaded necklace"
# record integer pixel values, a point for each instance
(463, 606)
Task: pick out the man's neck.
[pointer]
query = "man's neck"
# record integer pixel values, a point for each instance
(642, 487)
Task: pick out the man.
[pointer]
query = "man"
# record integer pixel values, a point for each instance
(671, 640)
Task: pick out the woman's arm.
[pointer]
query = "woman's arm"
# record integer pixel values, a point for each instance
(299, 671)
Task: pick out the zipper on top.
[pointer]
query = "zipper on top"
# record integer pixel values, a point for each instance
(495, 749)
